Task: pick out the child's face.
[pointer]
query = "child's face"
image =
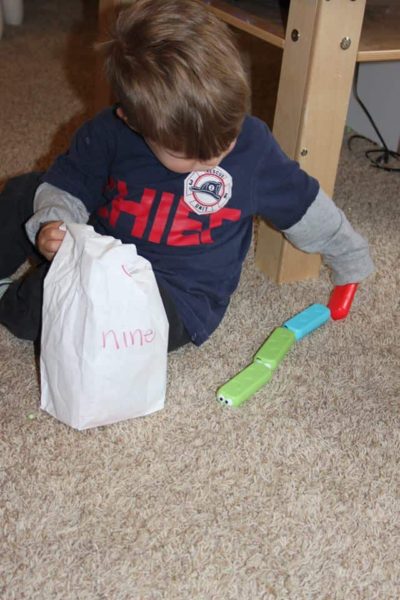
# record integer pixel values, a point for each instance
(178, 163)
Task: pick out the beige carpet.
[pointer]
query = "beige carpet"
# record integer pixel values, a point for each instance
(294, 496)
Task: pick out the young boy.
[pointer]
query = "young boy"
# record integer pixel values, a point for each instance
(177, 168)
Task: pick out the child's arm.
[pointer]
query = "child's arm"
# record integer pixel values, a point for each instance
(325, 229)
(73, 185)
(52, 205)
(292, 201)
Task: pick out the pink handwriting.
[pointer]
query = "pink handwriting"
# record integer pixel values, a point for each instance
(137, 337)
(130, 270)
(125, 270)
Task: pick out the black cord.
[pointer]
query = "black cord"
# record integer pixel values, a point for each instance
(384, 154)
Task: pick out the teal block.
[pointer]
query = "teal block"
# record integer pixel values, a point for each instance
(275, 348)
(246, 383)
(309, 319)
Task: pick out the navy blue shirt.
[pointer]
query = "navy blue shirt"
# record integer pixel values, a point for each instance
(196, 235)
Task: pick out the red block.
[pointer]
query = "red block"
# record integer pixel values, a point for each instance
(341, 300)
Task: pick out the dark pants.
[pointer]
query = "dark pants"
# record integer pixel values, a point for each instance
(21, 305)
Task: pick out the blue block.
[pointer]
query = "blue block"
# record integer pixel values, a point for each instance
(309, 319)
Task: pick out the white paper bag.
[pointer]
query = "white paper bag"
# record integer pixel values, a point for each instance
(104, 334)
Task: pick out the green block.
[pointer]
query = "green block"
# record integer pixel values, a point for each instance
(246, 383)
(274, 350)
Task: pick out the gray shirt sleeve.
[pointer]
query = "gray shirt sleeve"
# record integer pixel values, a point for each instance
(52, 204)
(325, 229)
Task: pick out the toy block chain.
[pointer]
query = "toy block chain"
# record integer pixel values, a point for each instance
(251, 379)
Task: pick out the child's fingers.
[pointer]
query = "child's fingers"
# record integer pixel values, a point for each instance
(54, 234)
(51, 227)
(50, 238)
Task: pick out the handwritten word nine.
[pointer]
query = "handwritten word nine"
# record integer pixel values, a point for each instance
(124, 339)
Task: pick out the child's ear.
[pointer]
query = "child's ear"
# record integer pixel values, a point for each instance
(121, 114)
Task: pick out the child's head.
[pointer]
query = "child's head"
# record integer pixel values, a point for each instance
(178, 76)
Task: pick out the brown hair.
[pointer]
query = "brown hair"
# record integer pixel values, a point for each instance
(178, 76)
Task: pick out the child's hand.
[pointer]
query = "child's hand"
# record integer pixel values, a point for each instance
(49, 239)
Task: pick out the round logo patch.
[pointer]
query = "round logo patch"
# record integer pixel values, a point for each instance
(208, 191)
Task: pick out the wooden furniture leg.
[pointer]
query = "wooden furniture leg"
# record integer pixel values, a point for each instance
(319, 56)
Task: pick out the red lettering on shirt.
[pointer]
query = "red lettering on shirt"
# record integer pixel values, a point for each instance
(160, 220)
(181, 225)
(186, 229)
(216, 220)
(140, 210)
